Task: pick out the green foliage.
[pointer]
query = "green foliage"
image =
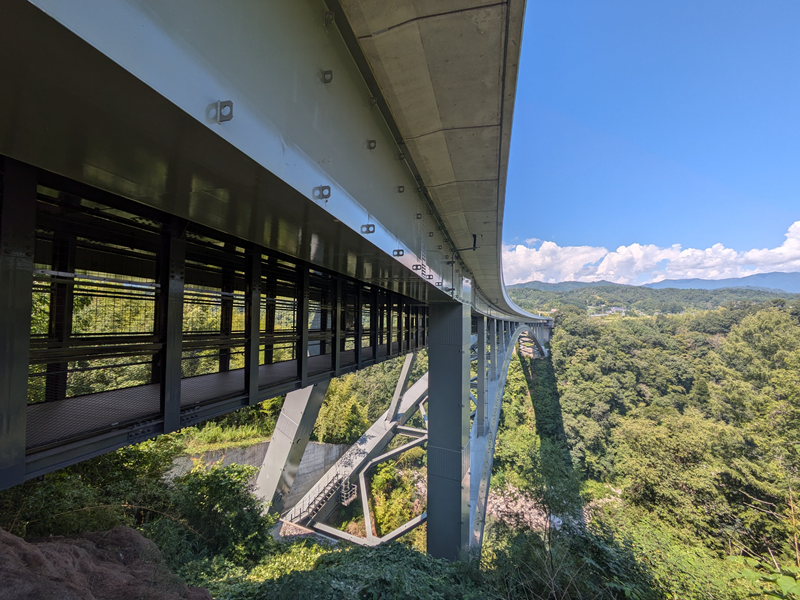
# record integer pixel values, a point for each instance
(342, 418)
(576, 564)
(383, 573)
(218, 506)
(114, 489)
(694, 419)
(355, 401)
(773, 582)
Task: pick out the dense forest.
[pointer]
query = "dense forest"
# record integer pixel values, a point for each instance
(649, 457)
(684, 432)
(636, 300)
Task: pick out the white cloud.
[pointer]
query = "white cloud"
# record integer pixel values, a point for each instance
(639, 263)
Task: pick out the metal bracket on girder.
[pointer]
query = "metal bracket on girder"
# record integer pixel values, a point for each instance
(322, 192)
(220, 111)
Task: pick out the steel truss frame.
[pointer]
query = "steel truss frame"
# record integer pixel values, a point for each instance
(491, 347)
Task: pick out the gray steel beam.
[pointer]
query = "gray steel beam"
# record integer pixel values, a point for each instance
(448, 426)
(17, 233)
(252, 319)
(285, 451)
(169, 312)
(301, 350)
(402, 384)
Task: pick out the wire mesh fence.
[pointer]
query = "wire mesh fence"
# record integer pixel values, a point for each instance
(101, 291)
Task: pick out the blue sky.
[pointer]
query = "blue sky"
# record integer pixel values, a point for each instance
(651, 124)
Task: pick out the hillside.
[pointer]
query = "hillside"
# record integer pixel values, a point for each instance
(780, 282)
(563, 286)
(642, 300)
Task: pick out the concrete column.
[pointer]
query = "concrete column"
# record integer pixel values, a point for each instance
(448, 429)
(294, 427)
(482, 408)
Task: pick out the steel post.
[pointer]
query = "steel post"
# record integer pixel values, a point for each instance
(401, 325)
(61, 309)
(172, 268)
(389, 324)
(17, 240)
(252, 319)
(374, 318)
(358, 324)
(226, 314)
(337, 327)
(270, 310)
(288, 444)
(301, 350)
(448, 427)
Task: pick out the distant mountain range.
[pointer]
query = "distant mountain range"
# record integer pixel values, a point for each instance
(770, 282)
(564, 286)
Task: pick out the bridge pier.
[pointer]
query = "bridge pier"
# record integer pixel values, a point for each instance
(288, 444)
(448, 429)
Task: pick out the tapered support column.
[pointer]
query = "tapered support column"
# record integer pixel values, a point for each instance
(481, 414)
(285, 451)
(17, 231)
(402, 384)
(448, 429)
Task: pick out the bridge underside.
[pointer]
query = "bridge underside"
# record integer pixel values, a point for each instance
(140, 323)
(159, 267)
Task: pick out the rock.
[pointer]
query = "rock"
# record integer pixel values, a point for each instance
(112, 565)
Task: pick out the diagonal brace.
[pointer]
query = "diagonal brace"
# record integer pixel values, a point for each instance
(402, 384)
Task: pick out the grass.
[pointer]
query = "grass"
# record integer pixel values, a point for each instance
(213, 436)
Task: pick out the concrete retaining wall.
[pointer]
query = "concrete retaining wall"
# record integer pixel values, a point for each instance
(317, 459)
